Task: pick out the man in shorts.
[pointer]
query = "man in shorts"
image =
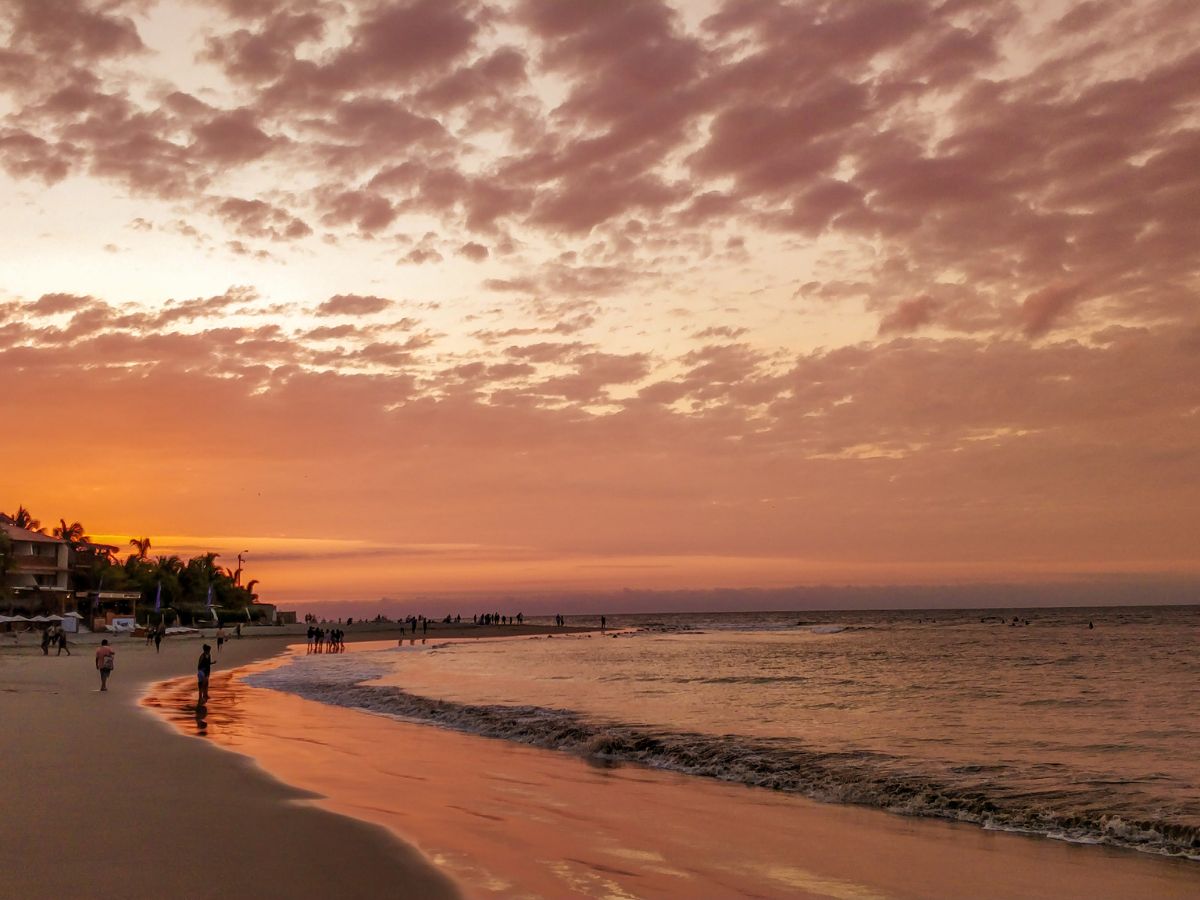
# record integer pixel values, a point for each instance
(105, 659)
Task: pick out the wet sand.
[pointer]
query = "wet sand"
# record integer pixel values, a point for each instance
(507, 820)
(102, 799)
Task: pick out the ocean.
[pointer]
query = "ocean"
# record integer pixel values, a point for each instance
(1017, 720)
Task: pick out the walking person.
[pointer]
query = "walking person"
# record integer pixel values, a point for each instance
(45, 642)
(106, 658)
(203, 673)
(61, 640)
(158, 638)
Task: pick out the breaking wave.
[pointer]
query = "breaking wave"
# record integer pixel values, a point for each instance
(860, 777)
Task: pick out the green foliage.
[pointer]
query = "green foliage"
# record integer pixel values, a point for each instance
(185, 584)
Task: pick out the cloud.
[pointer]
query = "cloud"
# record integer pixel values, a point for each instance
(741, 282)
(1043, 308)
(231, 137)
(73, 29)
(259, 219)
(51, 304)
(473, 251)
(909, 315)
(352, 305)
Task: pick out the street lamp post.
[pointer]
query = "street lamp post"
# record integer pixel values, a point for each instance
(237, 576)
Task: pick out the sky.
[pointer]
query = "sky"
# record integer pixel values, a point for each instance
(408, 296)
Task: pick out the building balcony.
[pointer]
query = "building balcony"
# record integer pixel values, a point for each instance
(35, 564)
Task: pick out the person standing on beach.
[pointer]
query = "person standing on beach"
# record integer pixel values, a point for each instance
(158, 638)
(45, 642)
(203, 673)
(220, 638)
(105, 660)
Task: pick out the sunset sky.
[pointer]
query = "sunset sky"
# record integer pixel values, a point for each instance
(407, 297)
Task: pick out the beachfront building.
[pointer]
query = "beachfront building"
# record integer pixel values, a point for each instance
(102, 609)
(36, 579)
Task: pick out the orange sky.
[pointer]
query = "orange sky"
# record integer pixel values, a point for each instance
(467, 295)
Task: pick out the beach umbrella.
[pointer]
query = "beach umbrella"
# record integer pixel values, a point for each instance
(54, 618)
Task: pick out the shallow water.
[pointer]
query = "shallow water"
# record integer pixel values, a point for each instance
(1052, 728)
(508, 820)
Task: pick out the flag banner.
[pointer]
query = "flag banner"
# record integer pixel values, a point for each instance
(158, 598)
(208, 602)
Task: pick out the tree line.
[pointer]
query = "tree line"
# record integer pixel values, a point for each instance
(184, 584)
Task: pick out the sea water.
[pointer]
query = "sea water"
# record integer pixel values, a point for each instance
(1051, 727)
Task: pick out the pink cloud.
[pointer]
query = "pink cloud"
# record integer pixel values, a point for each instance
(259, 219)
(1042, 309)
(473, 251)
(352, 305)
(909, 315)
(231, 137)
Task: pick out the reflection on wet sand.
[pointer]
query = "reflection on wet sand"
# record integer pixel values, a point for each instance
(509, 820)
(175, 700)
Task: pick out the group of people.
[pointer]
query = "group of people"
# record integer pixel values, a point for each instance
(55, 636)
(326, 640)
(497, 619)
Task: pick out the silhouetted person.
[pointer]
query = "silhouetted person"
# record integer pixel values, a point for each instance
(62, 644)
(158, 638)
(203, 674)
(46, 642)
(603, 622)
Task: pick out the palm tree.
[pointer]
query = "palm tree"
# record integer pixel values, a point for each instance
(169, 565)
(73, 534)
(22, 518)
(142, 545)
(250, 588)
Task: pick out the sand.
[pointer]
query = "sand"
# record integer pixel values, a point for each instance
(105, 799)
(101, 798)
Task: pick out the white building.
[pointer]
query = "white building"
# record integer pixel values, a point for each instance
(38, 574)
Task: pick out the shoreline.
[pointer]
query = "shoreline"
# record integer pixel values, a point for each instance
(425, 812)
(438, 790)
(113, 802)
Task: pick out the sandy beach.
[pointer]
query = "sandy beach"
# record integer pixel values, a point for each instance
(106, 799)
(103, 799)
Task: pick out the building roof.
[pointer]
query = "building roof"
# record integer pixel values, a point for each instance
(17, 533)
